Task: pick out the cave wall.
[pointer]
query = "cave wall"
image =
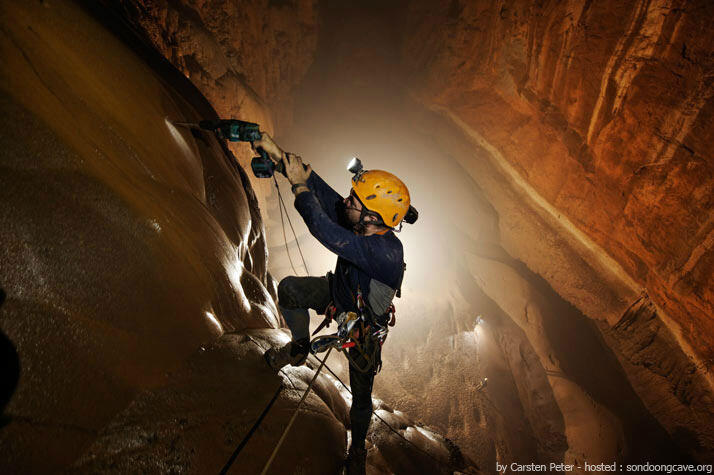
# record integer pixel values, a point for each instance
(135, 297)
(589, 125)
(245, 57)
(241, 55)
(127, 243)
(593, 102)
(584, 123)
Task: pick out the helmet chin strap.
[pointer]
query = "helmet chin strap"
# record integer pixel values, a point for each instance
(361, 226)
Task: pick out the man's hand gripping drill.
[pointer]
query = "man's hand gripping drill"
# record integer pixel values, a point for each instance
(296, 172)
(272, 158)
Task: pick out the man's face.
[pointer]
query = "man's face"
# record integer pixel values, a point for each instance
(353, 207)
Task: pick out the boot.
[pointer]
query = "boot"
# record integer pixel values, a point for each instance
(294, 353)
(356, 463)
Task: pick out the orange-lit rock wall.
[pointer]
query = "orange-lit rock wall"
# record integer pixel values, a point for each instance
(605, 109)
(245, 57)
(589, 127)
(237, 53)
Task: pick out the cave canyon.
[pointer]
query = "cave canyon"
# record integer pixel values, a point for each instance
(558, 304)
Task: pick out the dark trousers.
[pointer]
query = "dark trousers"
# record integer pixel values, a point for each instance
(295, 296)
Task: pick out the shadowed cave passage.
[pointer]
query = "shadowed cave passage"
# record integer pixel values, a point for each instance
(559, 158)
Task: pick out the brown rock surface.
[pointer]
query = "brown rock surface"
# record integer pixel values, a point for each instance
(593, 102)
(133, 269)
(245, 57)
(588, 125)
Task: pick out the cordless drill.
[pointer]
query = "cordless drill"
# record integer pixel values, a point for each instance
(236, 130)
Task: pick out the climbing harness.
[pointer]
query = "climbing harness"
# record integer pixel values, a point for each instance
(356, 331)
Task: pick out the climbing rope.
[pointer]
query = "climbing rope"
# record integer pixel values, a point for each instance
(247, 437)
(449, 466)
(281, 205)
(292, 419)
(282, 223)
(257, 423)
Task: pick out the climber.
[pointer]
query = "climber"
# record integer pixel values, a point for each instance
(359, 229)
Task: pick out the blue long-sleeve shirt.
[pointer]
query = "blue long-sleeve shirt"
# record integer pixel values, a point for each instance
(360, 258)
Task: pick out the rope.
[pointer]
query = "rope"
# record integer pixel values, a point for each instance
(257, 423)
(450, 467)
(282, 223)
(292, 419)
(287, 215)
(247, 437)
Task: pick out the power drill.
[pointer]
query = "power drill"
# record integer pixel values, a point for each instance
(236, 130)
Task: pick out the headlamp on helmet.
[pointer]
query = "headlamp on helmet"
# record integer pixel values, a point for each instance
(382, 193)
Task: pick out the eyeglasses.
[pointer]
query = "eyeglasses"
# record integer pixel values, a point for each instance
(353, 199)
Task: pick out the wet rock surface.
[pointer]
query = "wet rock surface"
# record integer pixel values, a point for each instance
(245, 57)
(204, 410)
(136, 300)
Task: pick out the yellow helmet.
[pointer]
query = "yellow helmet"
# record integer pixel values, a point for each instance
(382, 193)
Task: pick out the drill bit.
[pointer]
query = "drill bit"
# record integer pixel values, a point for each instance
(187, 124)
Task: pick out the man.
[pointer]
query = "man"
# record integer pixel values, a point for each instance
(359, 229)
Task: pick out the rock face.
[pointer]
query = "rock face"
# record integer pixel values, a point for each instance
(237, 53)
(595, 103)
(569, 145)
(245, 57)
(136, 302)
(590, 124)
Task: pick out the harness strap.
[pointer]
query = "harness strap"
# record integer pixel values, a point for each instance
(393, 311)
(330, 312)
(399, 286)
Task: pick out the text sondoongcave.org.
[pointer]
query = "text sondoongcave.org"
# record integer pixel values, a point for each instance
(601, 467)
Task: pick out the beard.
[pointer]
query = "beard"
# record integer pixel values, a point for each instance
(345, 221)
